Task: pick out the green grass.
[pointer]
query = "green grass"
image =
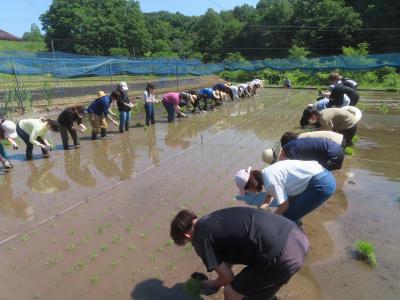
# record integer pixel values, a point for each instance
(366, 252)
(23, 46)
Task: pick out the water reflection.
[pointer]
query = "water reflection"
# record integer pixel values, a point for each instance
(10, 206)
(42, 179)
(77, 172)
(103, 159)
(128, 157)
(152, 150)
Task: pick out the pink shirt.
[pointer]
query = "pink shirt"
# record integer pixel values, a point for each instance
(172, 98)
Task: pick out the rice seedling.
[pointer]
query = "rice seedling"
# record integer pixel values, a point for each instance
(116, 239)
(104, 248)
(71, 247)
(384, 108)
(36, 295)
(87, 238)
(113, 265)
(24, 237)
(348, 151)
(366, 252)
(35, 232)
(169, 243)
(171, 266)
(129, 228)
(131, 247)
(160, 249)
(193, 287)
(93, 255)
(143, 236)
(153, 259)
(10, 248)
(94, 280)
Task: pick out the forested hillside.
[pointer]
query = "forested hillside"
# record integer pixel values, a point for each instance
(274, 28)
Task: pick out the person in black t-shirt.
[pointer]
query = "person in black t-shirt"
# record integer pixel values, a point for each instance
(271, 247)
(124, 105)
(67, 119)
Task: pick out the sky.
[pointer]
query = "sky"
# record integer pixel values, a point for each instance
(16, 16)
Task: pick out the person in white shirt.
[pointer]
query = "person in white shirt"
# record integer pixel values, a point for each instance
(244, 90)
(149, 101)
(298, 187)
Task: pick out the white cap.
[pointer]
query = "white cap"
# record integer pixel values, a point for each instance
(123, 86)
(241, 179)
(10, 129)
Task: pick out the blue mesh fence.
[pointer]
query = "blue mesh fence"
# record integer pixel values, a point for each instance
(65, 65)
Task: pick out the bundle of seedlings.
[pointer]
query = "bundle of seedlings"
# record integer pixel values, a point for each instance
(365, 251)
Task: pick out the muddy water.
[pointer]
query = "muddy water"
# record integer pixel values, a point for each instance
(93, 223)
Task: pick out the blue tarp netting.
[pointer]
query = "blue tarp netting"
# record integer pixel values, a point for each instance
(67, 65)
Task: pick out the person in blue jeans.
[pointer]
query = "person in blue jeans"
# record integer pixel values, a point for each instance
(124, 105)
(297, 187)
(149, 101)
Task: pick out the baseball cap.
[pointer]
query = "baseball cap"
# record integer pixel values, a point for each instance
(241, 179)
(123, 86)
(10, 129)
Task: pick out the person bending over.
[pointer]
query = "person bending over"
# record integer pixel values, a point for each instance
(271, 248)
(298, 187)
(67, 120)
(328, 154)
(8, 132)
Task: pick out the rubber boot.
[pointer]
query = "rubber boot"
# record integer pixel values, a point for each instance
(103, 132)
(94, 136)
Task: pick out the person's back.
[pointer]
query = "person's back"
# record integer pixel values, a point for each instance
(100, 105)
(240, 235)
(324, 134)
(336, 119)
(326, 152)
(208, 92)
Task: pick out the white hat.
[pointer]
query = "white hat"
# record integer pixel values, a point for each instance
(241, 179)
(10, 129)
(123, 86)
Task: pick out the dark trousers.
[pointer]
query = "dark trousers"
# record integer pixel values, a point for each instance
(169, 107)
(64, 136)
(149, 108)
(29, 146)
(348, 135)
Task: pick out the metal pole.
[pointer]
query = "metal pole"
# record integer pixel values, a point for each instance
(21, 104)
(177, 77)
(55, 61)
(111, 77)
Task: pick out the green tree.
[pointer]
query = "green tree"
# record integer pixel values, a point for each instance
(298, 52)
(208, 36)
(34, 35)
(96, 27)
(360, 50)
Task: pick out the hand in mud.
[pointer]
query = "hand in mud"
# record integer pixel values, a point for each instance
(15, 147)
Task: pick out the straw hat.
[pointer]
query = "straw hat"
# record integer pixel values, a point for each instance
(100, 94)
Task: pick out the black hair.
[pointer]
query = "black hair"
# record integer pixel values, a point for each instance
(307, 114)
(150, 86)
(287, 137)
(181, 224)
(54, 125)
(255, 181)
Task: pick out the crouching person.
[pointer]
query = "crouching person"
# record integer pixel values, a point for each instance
(32, 132)
(7, 133)
(98, 111)
(271, 247)
(328, 154)
(67, 120)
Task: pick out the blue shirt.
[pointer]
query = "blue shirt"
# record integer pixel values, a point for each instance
(208, 92)
(100, 106)
(317, 149)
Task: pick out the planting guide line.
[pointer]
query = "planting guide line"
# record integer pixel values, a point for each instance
(63, 212)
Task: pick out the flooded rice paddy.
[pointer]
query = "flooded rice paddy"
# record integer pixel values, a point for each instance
(93, 223)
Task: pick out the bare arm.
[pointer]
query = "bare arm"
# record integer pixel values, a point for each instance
(267, 202)
(225, 276)
(13, 143)
(282, 208)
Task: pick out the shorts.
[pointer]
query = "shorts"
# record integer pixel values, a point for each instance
(264, 280)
